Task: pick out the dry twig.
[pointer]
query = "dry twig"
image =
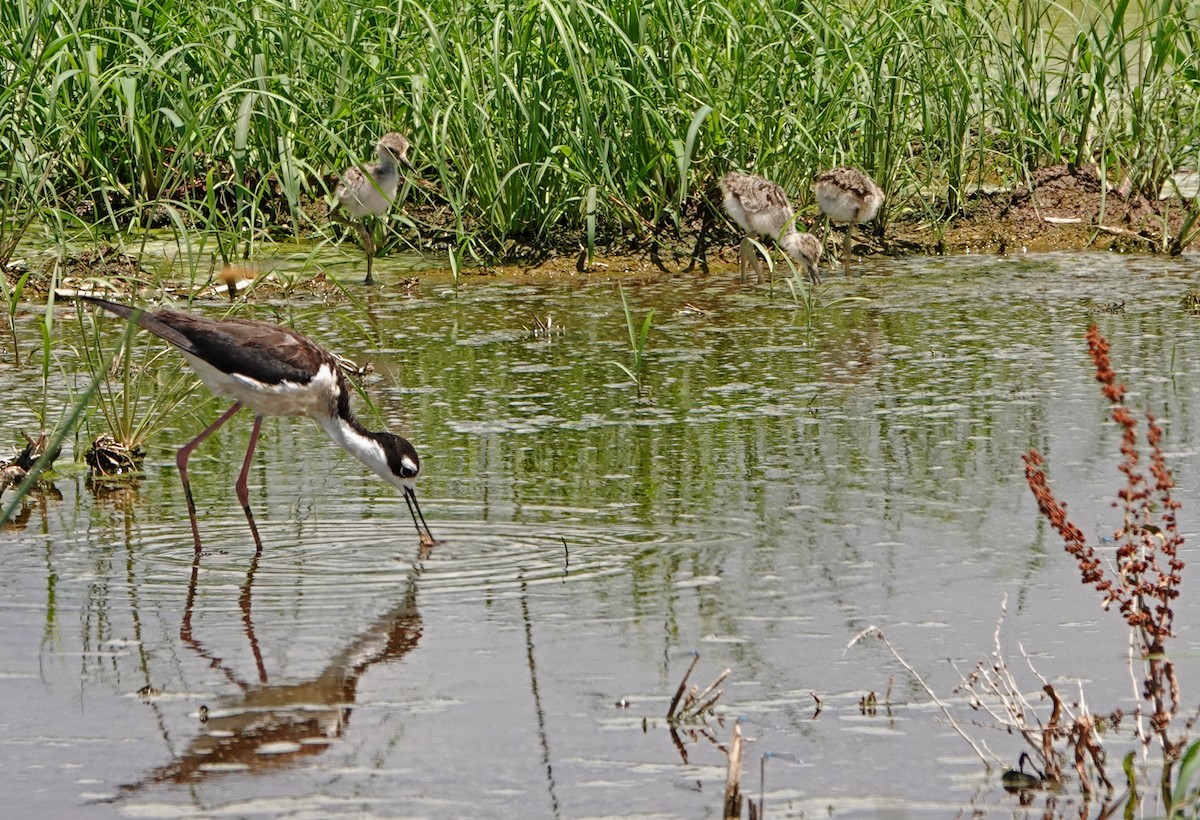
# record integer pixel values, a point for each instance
(878, 633)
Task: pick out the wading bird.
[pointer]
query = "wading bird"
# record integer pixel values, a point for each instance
(274, 371)
(849, 196)
(369, 192)
(761, 208)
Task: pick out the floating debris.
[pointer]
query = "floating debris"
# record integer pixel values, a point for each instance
(109, 458)
(1018, 779)
(353, 368)
(105, 269)
(545, 329)
(692, 705)
(14, 471)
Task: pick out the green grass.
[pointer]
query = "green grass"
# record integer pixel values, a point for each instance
(140, 390)
(608, 119)
(1185, 795)
(638, 336)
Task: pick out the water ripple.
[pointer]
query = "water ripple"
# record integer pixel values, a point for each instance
(332, 561)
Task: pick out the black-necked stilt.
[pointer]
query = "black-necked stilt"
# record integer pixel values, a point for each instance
(761, 208)
(850, 196)
(274, 371)
(370, 191)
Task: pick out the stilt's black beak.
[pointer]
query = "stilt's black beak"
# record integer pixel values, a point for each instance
(410, 497)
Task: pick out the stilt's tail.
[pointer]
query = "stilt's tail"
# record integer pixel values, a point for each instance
(142, 317)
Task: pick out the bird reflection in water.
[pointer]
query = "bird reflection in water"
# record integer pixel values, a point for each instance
(15, 514)
(36, 501)
(267, 726)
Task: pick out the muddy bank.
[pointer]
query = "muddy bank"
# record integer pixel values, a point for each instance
(1059, 208)
(1063, 207)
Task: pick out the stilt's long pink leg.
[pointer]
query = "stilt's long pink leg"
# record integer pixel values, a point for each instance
(242, 493)
(181, 460)
(368, 240)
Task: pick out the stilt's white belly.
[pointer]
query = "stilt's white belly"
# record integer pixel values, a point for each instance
(362, 195)
(841, 206)
(733, 207)
(316, 398)
(770, 223)
(365, 200)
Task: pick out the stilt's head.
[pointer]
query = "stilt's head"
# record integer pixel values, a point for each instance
(805, 249)
(402, 460)
(396, 146)
(404, 465)
(389, 456)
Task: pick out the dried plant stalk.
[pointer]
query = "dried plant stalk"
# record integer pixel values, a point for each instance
(1147, 572)
(733, 777)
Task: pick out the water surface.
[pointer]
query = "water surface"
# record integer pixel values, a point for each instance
(786, 480)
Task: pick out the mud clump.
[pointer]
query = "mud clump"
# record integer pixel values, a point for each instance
(1061, 207)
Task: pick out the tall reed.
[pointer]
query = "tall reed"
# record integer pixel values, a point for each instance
(537, 117)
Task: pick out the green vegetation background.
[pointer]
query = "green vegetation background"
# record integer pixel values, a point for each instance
(535, 118)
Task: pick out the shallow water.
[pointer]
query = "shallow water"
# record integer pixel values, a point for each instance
(787, 481)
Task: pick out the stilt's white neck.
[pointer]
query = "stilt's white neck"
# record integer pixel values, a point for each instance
(359, 444)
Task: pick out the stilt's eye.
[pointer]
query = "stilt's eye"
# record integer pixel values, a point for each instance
(407, 468)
